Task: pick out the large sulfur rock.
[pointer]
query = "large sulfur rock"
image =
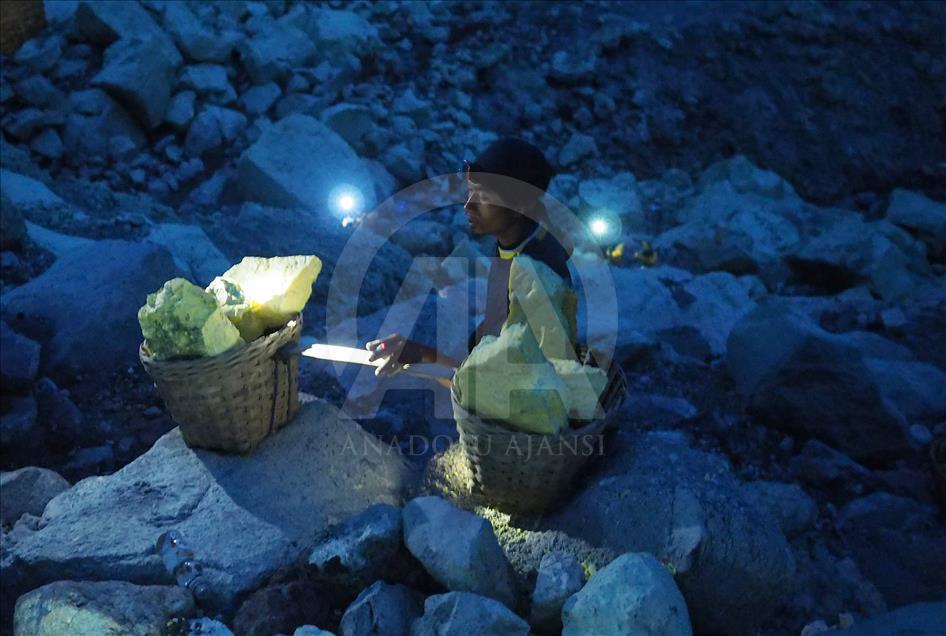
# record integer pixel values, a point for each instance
(27, 491)
(458, 548)
(276, 288)
(806, 381)
(507, 378)
(683, 506)
(182, 320)
(539, 298)
(282, 170)
(244, 516)
(88, 299)
(140, 74)
(583, 386)
(634, 594)
(84, 608)
(463, 613)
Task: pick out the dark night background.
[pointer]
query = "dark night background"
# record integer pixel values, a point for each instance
(782, 448)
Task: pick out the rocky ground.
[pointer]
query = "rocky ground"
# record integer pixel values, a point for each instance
(770, 470)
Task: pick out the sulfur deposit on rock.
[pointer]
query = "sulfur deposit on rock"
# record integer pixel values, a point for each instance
(583, 385)
(275, 288)
(508, 378)
(237, 308)
(540, 298)
(181, 319)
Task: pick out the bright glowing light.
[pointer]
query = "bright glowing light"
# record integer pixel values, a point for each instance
(599, 227)
(346, 200)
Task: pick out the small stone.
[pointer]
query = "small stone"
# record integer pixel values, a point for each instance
(181, 109)
(259, 99)
(152, 412)
(121, 148)
(48, 144)
(920, 434)
(893, 318)
(559, 576)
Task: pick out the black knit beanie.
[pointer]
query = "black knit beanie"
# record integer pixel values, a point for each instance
(517, 159)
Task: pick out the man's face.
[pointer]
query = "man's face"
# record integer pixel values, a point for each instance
(485, 213)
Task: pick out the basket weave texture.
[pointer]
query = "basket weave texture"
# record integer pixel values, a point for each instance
(20, 20)
(521, 472)
(232, 401)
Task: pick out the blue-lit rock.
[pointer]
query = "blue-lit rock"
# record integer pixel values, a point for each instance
(280, 169)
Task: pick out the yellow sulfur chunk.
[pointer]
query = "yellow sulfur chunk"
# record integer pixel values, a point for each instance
(237, 308)
(540, 298)
(181, 319)
(508, 378)
(275, 288)
(583, 385)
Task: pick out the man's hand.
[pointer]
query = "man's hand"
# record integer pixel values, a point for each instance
(398, 350)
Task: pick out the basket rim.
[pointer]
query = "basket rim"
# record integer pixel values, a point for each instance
(502, 427)
(230, 354)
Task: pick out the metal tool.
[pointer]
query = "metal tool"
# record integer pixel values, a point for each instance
(309, 348)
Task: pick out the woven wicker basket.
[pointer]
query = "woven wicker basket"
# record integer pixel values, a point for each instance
(520, 472)
(232, 401)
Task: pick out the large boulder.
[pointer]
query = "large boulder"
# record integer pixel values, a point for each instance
(458, 548)
(742, 220)
(100, 607)
(809, 382)
(284, 169)
(559, 577)
(919, 619)
(634, 594)
(898, 545)
(140, 74)
(274, 50)
(791, 507)
(850, 251)
(86, 306)
(360, 550)
(193, 251)
(244, 516)
(917, 389)
(103, 22)
(464, 613)
(198, 40)
(27, 491)
(683, 506)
